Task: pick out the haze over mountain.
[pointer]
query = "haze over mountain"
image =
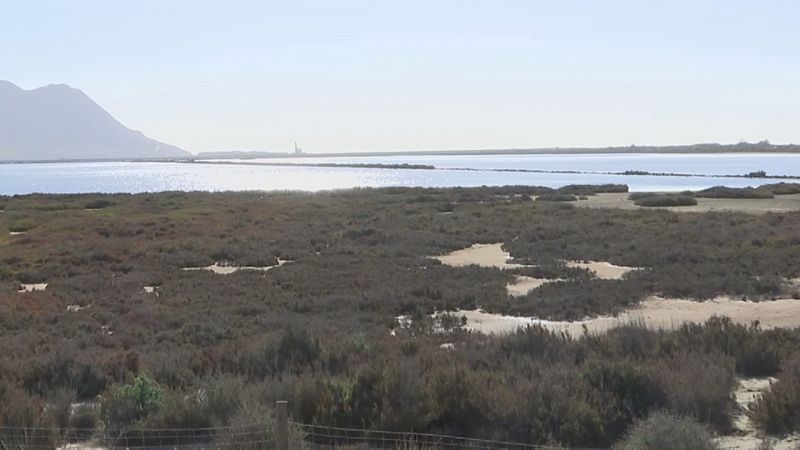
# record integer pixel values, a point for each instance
(59, 122)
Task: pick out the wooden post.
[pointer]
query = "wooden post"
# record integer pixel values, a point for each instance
(282, 425)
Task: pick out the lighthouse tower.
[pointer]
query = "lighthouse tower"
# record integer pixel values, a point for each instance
(297, 150)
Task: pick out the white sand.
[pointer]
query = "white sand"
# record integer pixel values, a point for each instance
(601, 269)
(76, 308)
(32, 287)
(16, 233)
(483, 255)
(523, 285)
(150, 289)
(654, 312)
(225, 269)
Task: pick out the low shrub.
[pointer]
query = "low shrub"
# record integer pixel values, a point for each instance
(662, 431)
(633, 196)
(556, 198)
(729, 192)
(666, 200)
(777, 411)
(99, 204)
(782, 188)
(590, 189)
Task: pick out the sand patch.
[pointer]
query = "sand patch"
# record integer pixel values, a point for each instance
(523, 285)
(654, 312)
(31, 287)
(482, 255)
(603, 270)
(151, 290)
(781, 203)
(76, 308)
(748, 437)
(16, 233)
(225, 269)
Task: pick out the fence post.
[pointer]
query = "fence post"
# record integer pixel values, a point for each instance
(282, 425)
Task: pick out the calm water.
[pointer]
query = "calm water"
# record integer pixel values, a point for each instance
(135, 177)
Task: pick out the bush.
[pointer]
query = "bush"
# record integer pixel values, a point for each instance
(777, 411)
(781, 188)
(640, 195)
(662, 431)
(590, 189)
(133, 402)
(666, 200)
(99, 204)
(556, 198)
(729, 192)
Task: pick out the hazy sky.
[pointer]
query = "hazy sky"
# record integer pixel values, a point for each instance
(430, 74)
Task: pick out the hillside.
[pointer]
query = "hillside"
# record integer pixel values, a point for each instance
(59, 122)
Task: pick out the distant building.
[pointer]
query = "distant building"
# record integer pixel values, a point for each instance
(297, 150)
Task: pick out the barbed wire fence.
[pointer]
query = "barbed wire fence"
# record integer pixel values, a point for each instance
(280, 434)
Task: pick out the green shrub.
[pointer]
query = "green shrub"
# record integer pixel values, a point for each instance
(663, 431)
(666, 200)
(133, 402)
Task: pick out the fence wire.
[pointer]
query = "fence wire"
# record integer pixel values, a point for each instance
(247, 437)
(316, 437)
(253, 436)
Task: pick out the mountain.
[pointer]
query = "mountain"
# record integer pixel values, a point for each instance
(59, 122)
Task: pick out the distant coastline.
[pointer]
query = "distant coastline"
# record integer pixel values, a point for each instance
(744, 147)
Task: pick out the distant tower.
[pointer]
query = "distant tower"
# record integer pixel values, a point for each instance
(297, 150)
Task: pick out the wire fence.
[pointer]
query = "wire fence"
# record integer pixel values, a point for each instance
(324, 437)
(252, 436)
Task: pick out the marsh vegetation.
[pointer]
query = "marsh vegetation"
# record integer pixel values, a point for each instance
(322, 332)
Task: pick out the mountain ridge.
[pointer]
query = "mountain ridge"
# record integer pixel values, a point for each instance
(59, 122)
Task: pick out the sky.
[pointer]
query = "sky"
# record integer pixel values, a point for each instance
(379, 75)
